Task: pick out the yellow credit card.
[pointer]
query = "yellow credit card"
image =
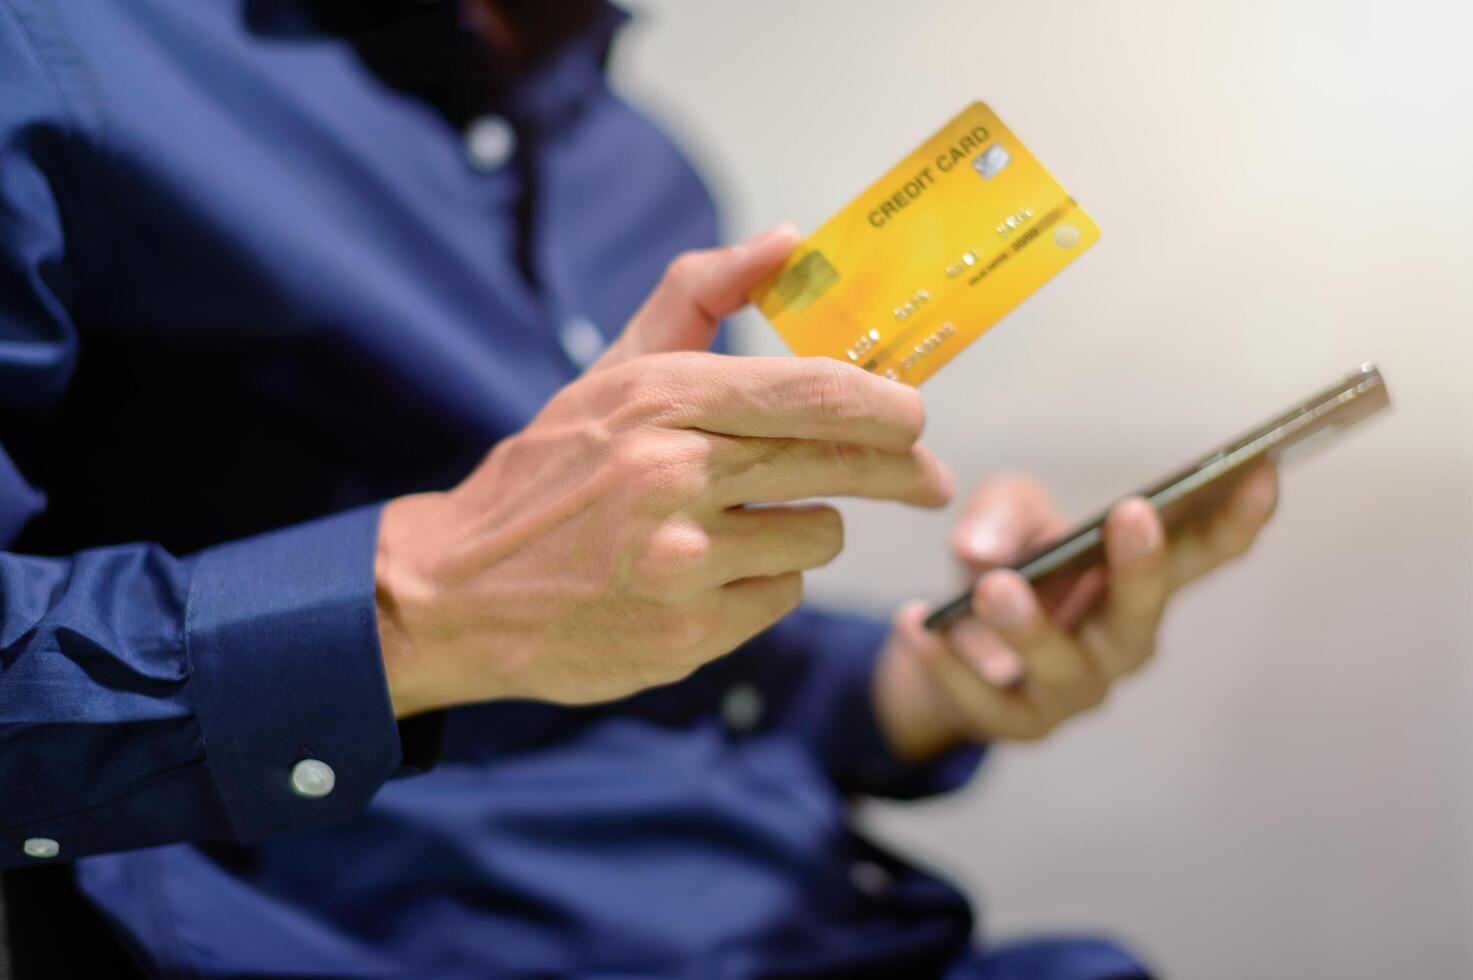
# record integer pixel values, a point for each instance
(930, 256)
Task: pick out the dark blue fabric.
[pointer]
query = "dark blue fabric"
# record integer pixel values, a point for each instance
(250, 288)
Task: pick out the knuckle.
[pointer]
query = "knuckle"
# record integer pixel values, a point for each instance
(682, 272)
(634, 451)
(646, 388)
(843, 396)
(830, 393)
(764, 463)
(848, 458)
(676, 552)
(653, 468)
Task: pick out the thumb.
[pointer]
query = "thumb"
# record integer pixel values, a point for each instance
(1004, 517)
(699, 289)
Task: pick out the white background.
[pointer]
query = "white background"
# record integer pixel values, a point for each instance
(1284, 191)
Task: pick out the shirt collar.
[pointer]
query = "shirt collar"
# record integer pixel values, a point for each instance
(540, 96)
(305, 18)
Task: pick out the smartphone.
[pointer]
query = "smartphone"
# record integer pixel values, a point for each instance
(1199, 489)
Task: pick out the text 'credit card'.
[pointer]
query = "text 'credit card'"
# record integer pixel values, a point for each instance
(930, 256)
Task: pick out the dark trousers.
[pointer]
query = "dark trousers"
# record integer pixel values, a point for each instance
(49, 931)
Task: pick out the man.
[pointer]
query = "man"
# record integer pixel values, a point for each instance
(274, 275)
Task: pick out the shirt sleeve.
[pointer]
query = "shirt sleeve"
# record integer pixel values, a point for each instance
(824, 665)
(145, 697)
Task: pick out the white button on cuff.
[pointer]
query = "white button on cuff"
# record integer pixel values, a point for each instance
(741, 709)
(40, 847)
(581, 341)
(490, 142)
(313, 779)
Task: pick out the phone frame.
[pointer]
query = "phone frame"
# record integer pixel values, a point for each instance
(1200, 488)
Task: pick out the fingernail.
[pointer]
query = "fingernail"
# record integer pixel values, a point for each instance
(1142, 531)
(1001, 668)
(991, 539)
(784, 230)
(1006, 602)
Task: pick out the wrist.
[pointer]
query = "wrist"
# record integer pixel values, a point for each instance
(404, 598)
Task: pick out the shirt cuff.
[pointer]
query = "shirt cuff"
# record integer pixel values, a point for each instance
(281, 631)
(871, 767)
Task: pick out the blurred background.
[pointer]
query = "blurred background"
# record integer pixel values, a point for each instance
(1283, 188)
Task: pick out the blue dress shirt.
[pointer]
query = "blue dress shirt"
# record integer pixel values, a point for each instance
(263, 265)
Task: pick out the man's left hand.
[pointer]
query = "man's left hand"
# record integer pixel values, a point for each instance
(1027, 660)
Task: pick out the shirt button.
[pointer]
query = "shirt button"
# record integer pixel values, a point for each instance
(313, 779)
(581, 341)
(869, 877)
(40, 847)
(741, 709)
(489, 143)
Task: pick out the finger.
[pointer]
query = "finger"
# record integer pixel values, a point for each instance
(978, 708)
(1123, 635)
(997, 663)
(779, 470)
(700, 288)
(750, 605)
(1069, 599)
(1228, 533)
(764, 541)
(1001, 518)
(1058, 675)
(777, 397)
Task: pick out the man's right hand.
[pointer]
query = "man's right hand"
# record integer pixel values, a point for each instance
(608, 547)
